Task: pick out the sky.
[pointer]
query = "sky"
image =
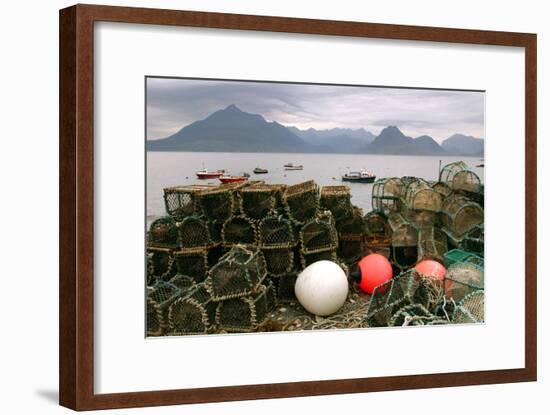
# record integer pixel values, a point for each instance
(174, 103)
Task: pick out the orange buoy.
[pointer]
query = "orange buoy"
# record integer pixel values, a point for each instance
(431, 268)
(372, 271)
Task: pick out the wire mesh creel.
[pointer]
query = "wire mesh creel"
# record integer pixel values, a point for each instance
(419, 196)
(460, 214)
(459, 177)
(302, 201)
(386, 194)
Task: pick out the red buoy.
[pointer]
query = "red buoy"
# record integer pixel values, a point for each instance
(431, 268)
(372, 271)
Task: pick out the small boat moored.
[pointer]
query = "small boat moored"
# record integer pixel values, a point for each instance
(291, 166)
(362, 176)
(259, 170)
(232, 179)
(205, 174)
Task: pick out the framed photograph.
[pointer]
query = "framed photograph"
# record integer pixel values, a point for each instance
(257, 207)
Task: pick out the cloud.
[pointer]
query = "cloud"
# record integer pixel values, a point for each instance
(175, 103)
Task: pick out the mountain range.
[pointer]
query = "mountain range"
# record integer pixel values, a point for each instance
(234, 130)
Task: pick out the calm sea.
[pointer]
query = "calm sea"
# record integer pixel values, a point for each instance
(178, 168)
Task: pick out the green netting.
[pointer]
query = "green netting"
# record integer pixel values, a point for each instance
(238, 273)
(419, 195)
(319, 234)
(432, 244)
(181, 201)
(159, 298)
(239, 230)
(460, 214)
(461, 279)
(278, 261)
(275, 232)
(218, 204)
(245, 313)
(194, 233)
(193, 263)
(163, 233)
(459, 177)
(302, 201)
(161, 263)
(386, 194)
(471, 309)
(193, 312)
(337, 200)
(457, 255)
(474, 240)
(260, 200)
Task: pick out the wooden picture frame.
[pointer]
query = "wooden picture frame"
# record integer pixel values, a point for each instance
(76, 120)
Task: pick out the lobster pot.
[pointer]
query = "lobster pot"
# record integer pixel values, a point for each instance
(459, 256)
(404, 243)
(319, 234)
(308, 259)
(193, 313)
(432, 244)
(377, 230)
(218, 204)
(160, 263)
(302, 201)
(163, 233)
(474, 240)
(150, 268)
(159, 298)
(285, 287)
(182, 201)
(351, 250)
(459, 177)
(352, 227)
(183, 282)
(239, 230)
(471, 309)
(193, 263)
(337, 200)
(260, 200)
(238, 273)
(215, 230)
(194, 233)
(419, 195)
(459, 215)
(386, 195)
(406, 289)
(442, 188)
(278, 261)
(276, 232)
(244, 314)
(420, 218)
(462, 279)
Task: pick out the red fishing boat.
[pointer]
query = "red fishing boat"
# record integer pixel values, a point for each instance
(232, 179)
(205, 174)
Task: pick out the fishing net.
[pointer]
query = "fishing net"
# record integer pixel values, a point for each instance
(442, 188)
(218, 204)
(415, 315)
(285, 287)
(215, 230)
(194, 233)
(308, 259)
(432, 244)
(245, 313)
(160, 263)
(239, 230)
(419, 195)
(471, 309)
(420, 218)
(302, 201)
(405, 289)
(319, 234)
(181, 201)
(352, 227)
(458, 177)
(192, 313)
(183, 282)
(474, 240)
(377, 230)
(404, 242)
(459, 215)
(192, 263)
(260, 200)
(159, 298)
(238, 273)
(462, 279)
(386, 194)
(278, 261)
(458, 255)
(350, 251)
(336, 199)
(163, 233)
(276, 232)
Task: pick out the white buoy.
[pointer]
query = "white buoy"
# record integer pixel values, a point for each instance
(322, 288)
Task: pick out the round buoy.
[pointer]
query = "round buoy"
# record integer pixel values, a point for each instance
(322, 288)
(372, 271)
(431, 268)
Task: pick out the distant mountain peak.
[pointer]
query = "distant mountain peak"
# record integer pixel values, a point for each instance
(232, 108)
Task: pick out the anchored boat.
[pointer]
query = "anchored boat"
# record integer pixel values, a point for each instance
(233, 179)
(205, 174)
(291, 166)
(259, 170)
(362, 176)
